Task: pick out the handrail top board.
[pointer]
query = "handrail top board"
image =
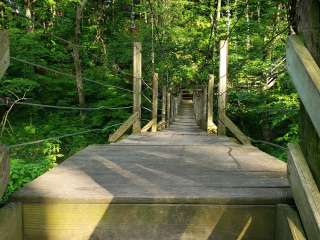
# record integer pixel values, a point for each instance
(305, 74)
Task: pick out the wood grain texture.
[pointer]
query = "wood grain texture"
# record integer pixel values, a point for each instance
(123, 128)
(288, 224)
(4, 169)
(305, 74)
(11, 222)
(227, 122)
(147, 221)
(305, 192)
(4, 52)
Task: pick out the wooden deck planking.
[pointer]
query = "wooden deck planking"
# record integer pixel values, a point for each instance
(180, 183)
(180, 165)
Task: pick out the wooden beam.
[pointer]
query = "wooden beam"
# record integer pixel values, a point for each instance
(288, 224)
(4, 169)
(124, 127)
(305, 74)
(234, 129)
(211, 127)
(4, 52)
(305, 191)
(147, 126)
(137, 77)
(11, 222)
(223, 78)
(154, 102)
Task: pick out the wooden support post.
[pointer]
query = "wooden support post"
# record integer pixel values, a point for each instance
(204, 108)
(155, 102)
(168, 108)
(4, 52)
(4, 153)
(137, 75)
(171, 108)
(164, 103)
(4, 169)
(211, 127)
(223, 78)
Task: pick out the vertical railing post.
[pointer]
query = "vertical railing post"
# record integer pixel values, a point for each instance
(204, 107)
(4, 153)
(168, 108)
(155, 102)
(223, 78)
(164, 103)
(137, 75)
(211, 127)
(4, 52)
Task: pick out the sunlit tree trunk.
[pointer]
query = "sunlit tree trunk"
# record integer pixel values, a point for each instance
(28, 7)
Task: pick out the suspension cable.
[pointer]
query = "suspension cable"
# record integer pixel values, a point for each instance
(67, 74)
(63, 107)
(62, 136)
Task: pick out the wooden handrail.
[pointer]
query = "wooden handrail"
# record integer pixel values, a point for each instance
(305, 74)
(124, 127)
(4, 169)
(227, 122)
(305, 191)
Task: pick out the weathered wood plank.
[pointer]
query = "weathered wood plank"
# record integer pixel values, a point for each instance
(11, 222)
(124, 127)
(305, 191)
(4, 52)
(147, 127)
(234, 129)
(147, 221)
(223, 79)
(288, 224)
(154, 102)
(305, 74)
(137, 79)
(4, 169)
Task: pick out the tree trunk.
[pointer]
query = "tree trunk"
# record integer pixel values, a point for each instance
(28, 7)
(76, 55)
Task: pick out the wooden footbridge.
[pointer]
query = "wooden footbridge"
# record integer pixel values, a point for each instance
(179, 181)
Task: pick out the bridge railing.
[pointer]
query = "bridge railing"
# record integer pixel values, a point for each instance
(302, 170)
(170, 102)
